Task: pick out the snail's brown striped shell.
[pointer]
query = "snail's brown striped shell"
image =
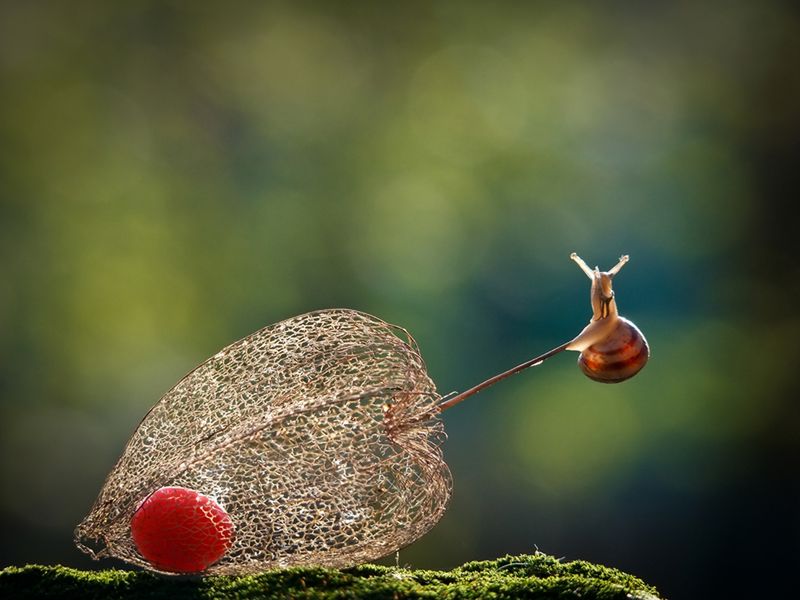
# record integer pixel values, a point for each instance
(617, 357)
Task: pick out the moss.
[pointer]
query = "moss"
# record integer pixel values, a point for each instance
(527, 576)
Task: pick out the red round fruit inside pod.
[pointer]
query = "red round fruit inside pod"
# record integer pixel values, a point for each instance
(181, 531)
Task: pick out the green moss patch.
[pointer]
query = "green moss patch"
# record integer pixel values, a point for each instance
(527, 576)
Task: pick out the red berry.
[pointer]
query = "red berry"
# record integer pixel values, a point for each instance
(182, 531)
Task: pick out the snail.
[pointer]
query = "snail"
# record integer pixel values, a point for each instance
(612, 348)
(313, 441)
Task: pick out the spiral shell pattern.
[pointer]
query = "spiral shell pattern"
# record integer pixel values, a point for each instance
(618, 357)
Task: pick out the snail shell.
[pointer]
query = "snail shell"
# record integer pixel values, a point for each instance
(618, 357)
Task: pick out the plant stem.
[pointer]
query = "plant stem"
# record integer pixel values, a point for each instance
(499, 377)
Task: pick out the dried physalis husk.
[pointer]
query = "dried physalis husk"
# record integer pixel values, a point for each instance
(311, 441)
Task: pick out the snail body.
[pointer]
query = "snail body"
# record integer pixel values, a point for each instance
(612, 348)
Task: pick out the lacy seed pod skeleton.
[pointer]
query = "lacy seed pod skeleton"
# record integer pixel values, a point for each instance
(311, 441)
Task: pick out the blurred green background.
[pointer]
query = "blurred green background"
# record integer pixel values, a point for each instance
(175, 175)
